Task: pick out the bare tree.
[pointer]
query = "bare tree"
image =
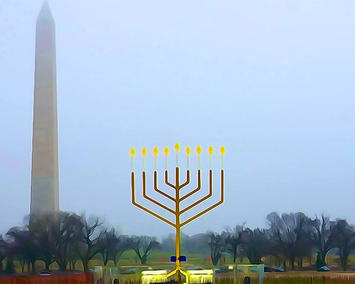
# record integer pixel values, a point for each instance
(345, 241)
(233, 239)
(112, 246)
(256, 244)
(323, 236)
(65, 228)
(41, 231)
(142, 245)
(88, 246)
(73, 258)
(57, 235)
(24, 245)
(124, 244)
(107, 242)
(290, 234)
(217, 246)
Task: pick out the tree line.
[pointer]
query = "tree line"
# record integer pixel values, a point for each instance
(66, 239)
(289, 239)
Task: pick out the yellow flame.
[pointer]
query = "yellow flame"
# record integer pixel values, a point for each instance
(177, 147)
(166, 151)
(222, 150)
(155, 151)
(144, 152)
(198, 150)
(132, 152)
(188, 150)
(210, 150)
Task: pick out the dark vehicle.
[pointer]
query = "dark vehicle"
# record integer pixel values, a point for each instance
(194, 267)
(268, 268)
(222, 269)
(45, 273)
(323, 269)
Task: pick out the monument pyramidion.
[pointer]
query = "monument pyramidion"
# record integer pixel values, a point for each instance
(44, 174)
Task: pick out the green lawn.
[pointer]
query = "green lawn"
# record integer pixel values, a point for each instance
(160, 259)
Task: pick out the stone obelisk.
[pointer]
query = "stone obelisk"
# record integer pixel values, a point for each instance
(44, 175)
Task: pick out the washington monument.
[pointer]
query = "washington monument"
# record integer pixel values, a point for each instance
(44, 174)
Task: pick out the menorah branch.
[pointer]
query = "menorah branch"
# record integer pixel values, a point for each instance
(212, 206)
(195, 190)
(167, 180)
(187, 180)
(159, 191)
(151, 199)
(202, 199)
(143, 208)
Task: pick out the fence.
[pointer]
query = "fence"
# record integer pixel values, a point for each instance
(73, 278)
(82, 278)
(311, 280)
(298, 278)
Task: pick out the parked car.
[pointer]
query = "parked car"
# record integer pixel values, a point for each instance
(194, 267)
(222, 269)
(45, 273)
(268, 268)
(323, 268)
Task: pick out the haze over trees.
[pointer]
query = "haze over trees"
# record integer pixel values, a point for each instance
(289, 240)
(66, 239)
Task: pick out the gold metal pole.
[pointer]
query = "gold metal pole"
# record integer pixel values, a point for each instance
(177, 223)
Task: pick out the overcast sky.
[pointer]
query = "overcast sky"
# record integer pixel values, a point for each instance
(273, 81)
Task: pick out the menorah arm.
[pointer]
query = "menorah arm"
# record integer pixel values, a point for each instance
(187, 180)
(195, 190)
(161, 192)
(212, 206)
(151, 199)
(202, 199)
(167, 180)
(171, 273)
(143, 208)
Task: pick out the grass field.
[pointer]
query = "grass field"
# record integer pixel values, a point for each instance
(160, 260)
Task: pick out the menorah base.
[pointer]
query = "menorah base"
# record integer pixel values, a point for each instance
(193, 276)
(177, 272)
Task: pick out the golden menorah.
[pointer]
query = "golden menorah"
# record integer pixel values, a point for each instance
(177, 198)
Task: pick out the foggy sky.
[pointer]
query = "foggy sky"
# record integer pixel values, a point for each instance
(273, 81)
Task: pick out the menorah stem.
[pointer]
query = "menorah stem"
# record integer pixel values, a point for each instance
(177, 178)
(178, 268)
(177, 222)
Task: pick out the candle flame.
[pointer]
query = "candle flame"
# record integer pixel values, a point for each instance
(144, 152)
(132, 152)
(166, 151)
(222, 150)
(188, 150)
(155, 151)
(210, 150)
(199, 150)
(177, 147)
